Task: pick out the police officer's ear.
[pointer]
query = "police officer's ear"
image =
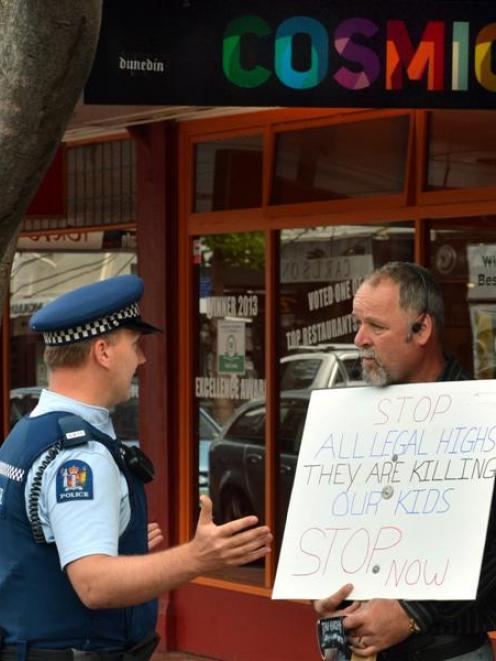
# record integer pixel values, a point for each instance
(101, 350)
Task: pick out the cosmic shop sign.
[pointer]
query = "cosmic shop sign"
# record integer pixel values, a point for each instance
(287, 53)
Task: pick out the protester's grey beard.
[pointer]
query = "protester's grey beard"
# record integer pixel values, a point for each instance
(376, 375)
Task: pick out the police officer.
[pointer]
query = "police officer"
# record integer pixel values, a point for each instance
(76, 578)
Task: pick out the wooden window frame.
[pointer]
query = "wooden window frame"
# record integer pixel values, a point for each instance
(449, 196)
(269, 219)
(411, 205)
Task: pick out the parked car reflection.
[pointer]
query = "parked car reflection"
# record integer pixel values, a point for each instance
(237, 458)
(22, 402)
(208, 431)
(321, 366)
(125, 418)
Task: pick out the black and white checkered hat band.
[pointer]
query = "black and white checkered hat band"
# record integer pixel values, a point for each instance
(91, 329)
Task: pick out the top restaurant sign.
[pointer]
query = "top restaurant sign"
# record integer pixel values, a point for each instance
(346, 53)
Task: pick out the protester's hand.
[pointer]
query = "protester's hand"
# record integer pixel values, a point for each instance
(155, 536)
(377, 625)
(234, 543)
(330, 606)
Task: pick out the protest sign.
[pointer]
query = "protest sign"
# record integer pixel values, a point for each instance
(392, 493)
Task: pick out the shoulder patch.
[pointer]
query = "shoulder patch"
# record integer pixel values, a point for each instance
(74, 482)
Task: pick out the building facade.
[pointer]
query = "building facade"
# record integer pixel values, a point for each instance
(252, 232)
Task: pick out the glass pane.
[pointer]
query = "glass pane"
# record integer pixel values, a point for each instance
(222, 170)
(320, 270)
(461, 149)
(463, 260)
(230, 379)
(296, 374)
(43, 269)
(101, 188)
(342, 161)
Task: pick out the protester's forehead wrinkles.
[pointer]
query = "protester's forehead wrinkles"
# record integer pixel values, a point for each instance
(377, 300)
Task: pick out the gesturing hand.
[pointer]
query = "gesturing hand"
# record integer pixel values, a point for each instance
(155, 535)
(231, 544)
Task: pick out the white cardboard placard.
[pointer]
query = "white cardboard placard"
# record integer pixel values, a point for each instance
(392, 493)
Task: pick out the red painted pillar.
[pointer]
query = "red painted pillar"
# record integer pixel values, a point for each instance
(156, 234)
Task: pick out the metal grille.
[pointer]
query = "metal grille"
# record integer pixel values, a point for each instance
(101, 187)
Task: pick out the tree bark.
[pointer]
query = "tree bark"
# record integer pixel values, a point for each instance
(46, 52)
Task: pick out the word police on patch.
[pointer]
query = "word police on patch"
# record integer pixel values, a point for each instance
(74, 482)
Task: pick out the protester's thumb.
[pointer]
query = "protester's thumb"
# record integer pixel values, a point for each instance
(205, 510)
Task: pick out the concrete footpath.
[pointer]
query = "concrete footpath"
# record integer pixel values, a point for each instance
(184, 656)
(179, 656)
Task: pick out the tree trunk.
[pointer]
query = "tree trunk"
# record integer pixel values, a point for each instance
(46, 52)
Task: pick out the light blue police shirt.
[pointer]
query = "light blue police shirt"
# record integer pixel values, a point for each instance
(90, 526)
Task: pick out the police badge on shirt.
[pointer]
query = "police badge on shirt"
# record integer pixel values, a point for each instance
(74, 482)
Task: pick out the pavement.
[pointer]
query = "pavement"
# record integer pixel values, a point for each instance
(179, 656)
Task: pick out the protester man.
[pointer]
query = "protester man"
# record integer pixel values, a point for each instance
(76, 579)
(399, 312)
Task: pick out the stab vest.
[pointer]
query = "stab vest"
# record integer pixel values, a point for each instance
(38, 606)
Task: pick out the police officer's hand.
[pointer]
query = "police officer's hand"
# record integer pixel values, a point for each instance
(155, 536)
(231, 544)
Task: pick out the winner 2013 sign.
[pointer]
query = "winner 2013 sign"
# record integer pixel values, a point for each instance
(346, 53)
(392, 493)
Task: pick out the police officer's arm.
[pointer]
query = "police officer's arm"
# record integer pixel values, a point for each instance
(103, 581)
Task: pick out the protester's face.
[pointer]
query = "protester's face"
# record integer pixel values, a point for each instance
(384, 337)
(127, 355)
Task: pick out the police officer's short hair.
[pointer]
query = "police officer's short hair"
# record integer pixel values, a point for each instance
(72, 355)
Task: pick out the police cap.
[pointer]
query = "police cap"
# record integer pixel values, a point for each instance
(91, 311)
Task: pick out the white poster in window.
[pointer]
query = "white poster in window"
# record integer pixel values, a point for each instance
(483, 322)
(62, 241)
(392, 493)
(231, 347)
(301, 268)
(481, 259)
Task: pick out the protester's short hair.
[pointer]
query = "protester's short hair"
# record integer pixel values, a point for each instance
(419, 292)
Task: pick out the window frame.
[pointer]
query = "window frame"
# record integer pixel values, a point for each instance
(450, 196)
(411, 205)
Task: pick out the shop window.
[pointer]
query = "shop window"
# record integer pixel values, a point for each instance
(461, 149)
(228, 174)
(350, 160)
(463, 261)
(101, 187)
(296, 374)
(320, 270)
(43, 269)
(229, 382)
